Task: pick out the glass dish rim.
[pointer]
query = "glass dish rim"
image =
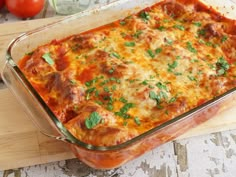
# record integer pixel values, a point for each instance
(67, 136)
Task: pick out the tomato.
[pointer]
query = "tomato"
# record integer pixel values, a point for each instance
(2, 2)
(24, 8)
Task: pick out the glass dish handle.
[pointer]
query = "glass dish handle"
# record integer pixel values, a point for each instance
(24, 96)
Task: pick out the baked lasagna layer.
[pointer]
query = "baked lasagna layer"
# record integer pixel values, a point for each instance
(113, 83)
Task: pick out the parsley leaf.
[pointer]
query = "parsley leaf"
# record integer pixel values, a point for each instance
(129, 44)
(223, 66)
(224, 38)
(172, 66)
(144, 15)
(93, 120)
(202, 32)
(180, 27)
(47, 57)
(122, 23)
(191, 48)
(198, 24)
(158, 50)
(137, 121)
(161, 86)
(150, 53)
(116, 55)
(137, 34)
(161, 28)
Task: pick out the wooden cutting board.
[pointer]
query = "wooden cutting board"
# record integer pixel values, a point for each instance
(21, 144)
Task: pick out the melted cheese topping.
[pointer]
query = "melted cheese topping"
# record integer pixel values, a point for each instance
(121, 80)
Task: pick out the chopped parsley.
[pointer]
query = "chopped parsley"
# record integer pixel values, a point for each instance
(161, 28)
(30, 53)
(157, 97)
(137, 34)
(198, 24)
(111, 70)
(123, 111)
(169, 41)
(116, 55)
(172, 66)
(172, 100)
(113, 88)
(145, 82)
(137, 121)
(161, 86)
(123, 100)
(191, 48)
(222, 65)
(192, 78)
(202, 32)
(224, 38)
(98, 102)
(150, 53)
(144, 15)
(90, 90)
(126, 107)
(158, 50)
(73, 82)
(47, 57)
(110, 107)
(122, 22)
(91, 82)
(129, 44)
(180, 27)
(93, 120)
(106, 89)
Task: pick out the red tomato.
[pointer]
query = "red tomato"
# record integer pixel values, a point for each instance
(24, 8)
(2, 2)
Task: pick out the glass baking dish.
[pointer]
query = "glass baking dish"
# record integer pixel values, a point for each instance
(97, 156)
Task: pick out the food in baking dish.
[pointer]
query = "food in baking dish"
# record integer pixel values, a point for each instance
(113, 83)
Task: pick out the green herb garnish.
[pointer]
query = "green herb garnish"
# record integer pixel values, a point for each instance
(73, 82)
(137, 34)
(47, 57)
(198, 24)
(180, 27)
(224, 38)
(161, 28)
(172, 66)
(144, 15)
(161, 86)
(137, 121)
(122, 23)
(123, 111)
(123, 100)
(30, 53)
(129, 44)
(191, 48)
(222, 65)
(150, 53)
(158, 50)
(116, 55)
(155, 97)
(93, 120)
(202, 32)
(110, 107)
(173, 99)
(192, 78)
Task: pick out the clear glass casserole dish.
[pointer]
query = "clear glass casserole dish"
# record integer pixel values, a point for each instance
(98, 156)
